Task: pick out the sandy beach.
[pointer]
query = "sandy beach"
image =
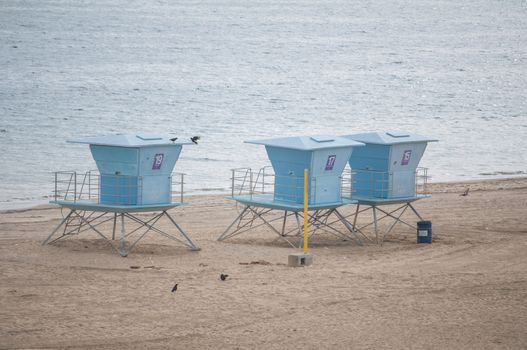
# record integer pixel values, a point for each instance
(467, 290)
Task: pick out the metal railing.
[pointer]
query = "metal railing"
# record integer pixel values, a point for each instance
(177, 182)
(72, 186)
(245, 182)
(286, 188)
(372, 183)
(290, 188)
(368, 183)
(385, 184)
(95, 188)
(421, 180)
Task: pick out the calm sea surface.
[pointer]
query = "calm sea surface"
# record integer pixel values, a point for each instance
(237, 70)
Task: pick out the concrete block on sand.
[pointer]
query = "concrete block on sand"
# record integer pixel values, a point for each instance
(300, 259)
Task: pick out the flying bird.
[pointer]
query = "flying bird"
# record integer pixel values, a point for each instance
(195, 139)
(174, 288)
(223, 277)
(173, 139)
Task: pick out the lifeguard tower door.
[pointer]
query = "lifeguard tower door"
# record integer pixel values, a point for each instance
(404, 159)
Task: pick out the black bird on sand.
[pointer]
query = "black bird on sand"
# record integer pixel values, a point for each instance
(223, 277)
(174, 288)
(195, 139)
(464, 194)
(173, 139)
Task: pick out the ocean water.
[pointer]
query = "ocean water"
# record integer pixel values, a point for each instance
(236, 70)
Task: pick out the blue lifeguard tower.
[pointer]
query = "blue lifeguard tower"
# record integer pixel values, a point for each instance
(281, 189)
(385, 171)
(134, 175)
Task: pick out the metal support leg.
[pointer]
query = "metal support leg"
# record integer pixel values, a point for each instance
(415, 211)
(320, 220)
(375, 225)
(238, 219)
(114, 224)
(149, 226)
(283, 224)
(357, 212)
(397, 218)
(300, 231)
(59, 226)
(348, 226)
(356, 215)
(395, 221)
(122, 249)
(88, 223)
(260, 216)
(79, 227)
(298, 224)
(191, 244)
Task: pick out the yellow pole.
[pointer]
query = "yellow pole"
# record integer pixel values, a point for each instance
(306, 200)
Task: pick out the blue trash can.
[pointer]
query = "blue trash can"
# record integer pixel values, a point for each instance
(424, 232)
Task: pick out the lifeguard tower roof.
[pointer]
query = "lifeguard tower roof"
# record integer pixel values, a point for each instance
(389, 138)
(130, 140)
(307, 143)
